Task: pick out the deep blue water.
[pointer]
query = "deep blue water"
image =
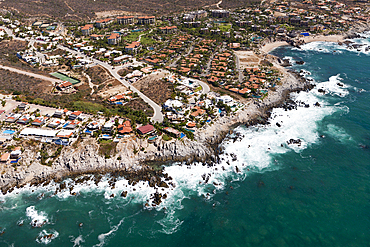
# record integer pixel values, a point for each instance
(315, 194)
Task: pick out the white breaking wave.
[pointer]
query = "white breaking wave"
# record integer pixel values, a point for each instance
(360, 45)
(45, 237)
(256, 151)
(334, 86)
(38, 219)
(77, 241)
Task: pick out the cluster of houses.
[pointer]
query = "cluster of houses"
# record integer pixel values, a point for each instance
(257, 81)
(190, 107)
(221, 71)
(174, 47)
(196, 61)
(62, 128)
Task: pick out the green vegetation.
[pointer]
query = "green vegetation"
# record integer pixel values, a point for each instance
(225, 27)
(166, 137)
(107, 148)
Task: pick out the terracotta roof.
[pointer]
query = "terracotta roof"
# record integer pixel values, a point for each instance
(145, 129)
(125, 17)
(191, 124)
(87, 27)
(114, 36)
(5, 157)
(104, 20)
(125, 127)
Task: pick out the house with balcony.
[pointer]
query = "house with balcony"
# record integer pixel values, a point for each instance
(87, 29)
(125, 20)
(144, 20)
(114, 39)
(103, 23)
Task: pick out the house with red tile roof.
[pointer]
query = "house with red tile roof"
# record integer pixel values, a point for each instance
(133, 46)
(87, 29)
(146, 20)
(114, 39)
(64, 86)
(167, 29)
(198, 112)
(125, 20)
(146, 129)
(103, 23)
(124, 128)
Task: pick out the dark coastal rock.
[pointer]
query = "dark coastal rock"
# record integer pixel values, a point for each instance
(124, 193)
(233, 157)
(286, 63)
(317, 104)
(278, 125)
(299, 62)
(292, 141)
(320, 90)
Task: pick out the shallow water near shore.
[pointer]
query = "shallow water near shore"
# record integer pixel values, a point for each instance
(314, 191)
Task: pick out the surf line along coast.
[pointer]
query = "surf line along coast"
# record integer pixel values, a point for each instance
(77, 160)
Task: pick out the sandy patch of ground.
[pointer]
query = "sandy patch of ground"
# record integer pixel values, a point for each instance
(104, 14)
(247, 59)
(111, 91)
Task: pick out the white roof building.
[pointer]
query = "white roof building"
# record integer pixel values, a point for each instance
(172, 104)
(38, 132)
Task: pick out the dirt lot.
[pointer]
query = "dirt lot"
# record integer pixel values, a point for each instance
(247, 59)
(107, 91)
(139, 104)
(98, 75)
(155, 88)
(13, 82)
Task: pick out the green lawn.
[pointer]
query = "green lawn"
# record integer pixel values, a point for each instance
(147, 41)
(225, 27)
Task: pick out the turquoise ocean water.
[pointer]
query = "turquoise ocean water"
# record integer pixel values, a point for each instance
(316, 193)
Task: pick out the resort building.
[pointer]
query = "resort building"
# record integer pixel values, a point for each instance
(114, 39)
(220, 13)
(125, 20)
(87, 29)
(168, 29)
(146, 20)
(103, 23)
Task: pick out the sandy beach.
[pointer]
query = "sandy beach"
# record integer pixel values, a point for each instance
(315, 38)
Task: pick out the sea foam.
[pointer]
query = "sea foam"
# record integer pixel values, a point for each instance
(38, 218)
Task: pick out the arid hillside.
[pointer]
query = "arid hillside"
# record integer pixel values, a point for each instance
(86, 9)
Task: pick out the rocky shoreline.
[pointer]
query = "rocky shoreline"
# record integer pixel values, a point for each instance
(145, 165)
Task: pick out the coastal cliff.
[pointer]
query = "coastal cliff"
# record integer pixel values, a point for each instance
(135, 154)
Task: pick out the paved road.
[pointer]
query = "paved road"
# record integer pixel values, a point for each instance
(205, 87)
(157, 117)
(42, 77)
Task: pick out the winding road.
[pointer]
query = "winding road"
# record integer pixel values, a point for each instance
(157, 116)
